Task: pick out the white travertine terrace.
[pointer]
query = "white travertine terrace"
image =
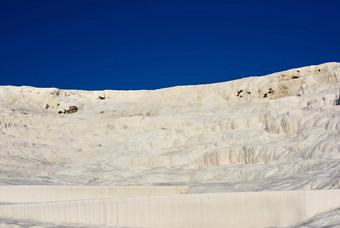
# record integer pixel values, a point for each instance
(50, 193)
(278, 132)
(255, 209)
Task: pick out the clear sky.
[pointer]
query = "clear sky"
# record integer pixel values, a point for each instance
(149, 44)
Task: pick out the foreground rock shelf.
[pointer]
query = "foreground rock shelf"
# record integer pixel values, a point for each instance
(241, 209)
(46, 193)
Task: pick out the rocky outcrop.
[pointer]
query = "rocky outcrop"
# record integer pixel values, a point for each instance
(72, 109)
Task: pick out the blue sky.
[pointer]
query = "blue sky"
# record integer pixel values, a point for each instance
(150, 44)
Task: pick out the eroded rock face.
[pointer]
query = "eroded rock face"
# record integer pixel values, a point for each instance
(276, 132)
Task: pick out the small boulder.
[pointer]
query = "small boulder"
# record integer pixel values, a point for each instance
(72, 109)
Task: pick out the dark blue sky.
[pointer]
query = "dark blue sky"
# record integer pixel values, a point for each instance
(148, 44)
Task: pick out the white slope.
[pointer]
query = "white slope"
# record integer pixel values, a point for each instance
(232, 136)
(329, 219)
(270, 133)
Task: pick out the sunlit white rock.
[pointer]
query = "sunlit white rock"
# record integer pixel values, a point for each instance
(276, 132)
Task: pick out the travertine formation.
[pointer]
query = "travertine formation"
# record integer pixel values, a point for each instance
(218, 210)
(278, 132)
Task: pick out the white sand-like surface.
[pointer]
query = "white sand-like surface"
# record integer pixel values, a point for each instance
(278, 132)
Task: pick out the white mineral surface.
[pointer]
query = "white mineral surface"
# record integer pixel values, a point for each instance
(255, 152)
